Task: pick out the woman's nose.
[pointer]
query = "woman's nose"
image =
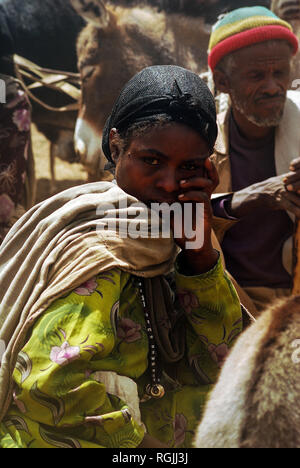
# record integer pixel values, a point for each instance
(168, 182)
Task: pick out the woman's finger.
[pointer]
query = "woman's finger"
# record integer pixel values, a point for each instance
(194, 196)
(212, 172)
(200, 183)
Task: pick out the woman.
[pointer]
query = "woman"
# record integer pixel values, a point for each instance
(116, 340)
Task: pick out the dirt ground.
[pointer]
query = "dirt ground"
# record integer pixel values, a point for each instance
(67, 175)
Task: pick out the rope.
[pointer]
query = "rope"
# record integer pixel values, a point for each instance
(54, 79)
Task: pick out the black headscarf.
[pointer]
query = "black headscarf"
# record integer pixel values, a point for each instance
(164, 90)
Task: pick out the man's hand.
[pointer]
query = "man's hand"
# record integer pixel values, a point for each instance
(292, 179)
(197, 190)
(277, 193)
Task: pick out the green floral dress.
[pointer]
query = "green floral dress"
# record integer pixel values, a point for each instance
(100, 326)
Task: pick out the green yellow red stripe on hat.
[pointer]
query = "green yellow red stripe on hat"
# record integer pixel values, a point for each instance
(244, 27)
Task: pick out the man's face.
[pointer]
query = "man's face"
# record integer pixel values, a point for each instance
(154, 163)
(259, 80)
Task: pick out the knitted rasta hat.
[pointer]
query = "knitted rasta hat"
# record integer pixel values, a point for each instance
(244, 27)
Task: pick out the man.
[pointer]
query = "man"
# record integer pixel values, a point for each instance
(256, 155)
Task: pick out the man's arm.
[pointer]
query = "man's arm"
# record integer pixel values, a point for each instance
(277, 193)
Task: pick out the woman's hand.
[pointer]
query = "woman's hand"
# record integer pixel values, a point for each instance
(198, 253)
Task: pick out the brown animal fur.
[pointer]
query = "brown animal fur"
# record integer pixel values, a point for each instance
(149, 35)
(255, 403)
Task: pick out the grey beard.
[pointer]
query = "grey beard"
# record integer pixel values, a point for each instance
(267, 122)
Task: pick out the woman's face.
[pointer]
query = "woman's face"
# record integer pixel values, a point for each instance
(155, 162)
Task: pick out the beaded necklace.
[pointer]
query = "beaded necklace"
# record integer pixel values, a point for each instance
(154, 389)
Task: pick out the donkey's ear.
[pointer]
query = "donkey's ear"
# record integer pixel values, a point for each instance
(93, 11)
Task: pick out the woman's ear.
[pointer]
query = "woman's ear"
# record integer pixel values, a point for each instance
(114, 144)
(221, 81)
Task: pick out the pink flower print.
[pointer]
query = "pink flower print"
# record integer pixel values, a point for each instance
(8, 178)
(218, 353)
(7, 208)
(87, 288)
(188, 300)
(128, 331)
(19, 98)
(64, 354)
(21, 118)
(180, 428)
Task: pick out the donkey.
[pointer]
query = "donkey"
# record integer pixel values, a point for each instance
(255, 403)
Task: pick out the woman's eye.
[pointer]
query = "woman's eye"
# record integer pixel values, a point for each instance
(151, 161)
(191, 167)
